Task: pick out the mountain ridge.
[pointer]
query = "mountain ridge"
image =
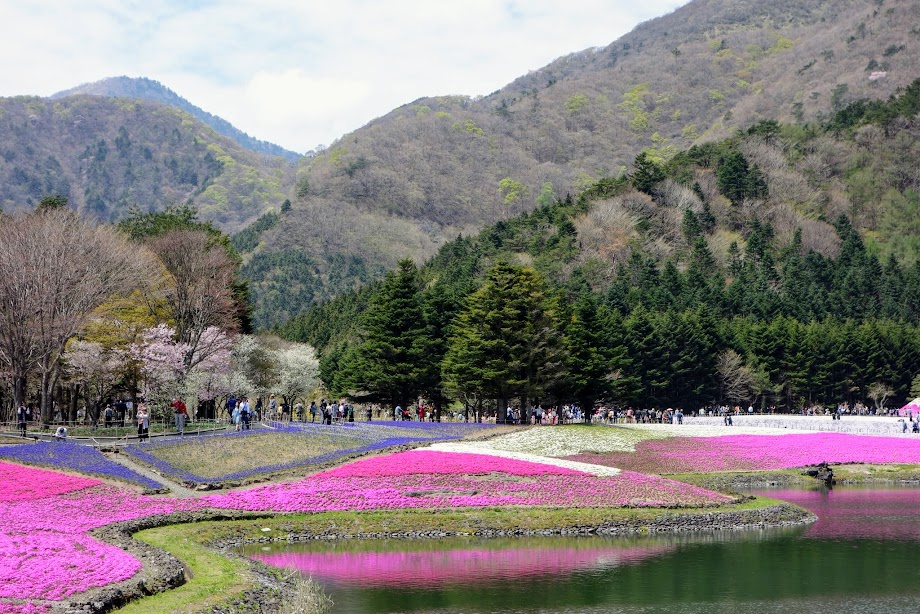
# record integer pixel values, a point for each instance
(149, 89)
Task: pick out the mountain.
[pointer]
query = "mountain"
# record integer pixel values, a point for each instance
(107, 155)
(733, 271)
(148, 89)
(439, 167)
(407, 182)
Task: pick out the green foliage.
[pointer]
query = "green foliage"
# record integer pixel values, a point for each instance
(54, 201)
(388, 363)
(506, 341)
(738, 181)
(512, 191)
(647, 173)
(247, 239)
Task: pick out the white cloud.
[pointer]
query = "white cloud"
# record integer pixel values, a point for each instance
(300, 73)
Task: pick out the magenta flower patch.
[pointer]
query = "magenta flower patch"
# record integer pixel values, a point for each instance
(757, 452)
(430, 462)
(438, 480)
(45, 552)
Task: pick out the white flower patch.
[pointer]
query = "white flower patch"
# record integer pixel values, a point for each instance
(569, 440)
(659, 431)
(476, 448)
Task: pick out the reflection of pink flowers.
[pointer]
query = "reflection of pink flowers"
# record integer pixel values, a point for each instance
(753, 452)
(858, 514)
(431, 569)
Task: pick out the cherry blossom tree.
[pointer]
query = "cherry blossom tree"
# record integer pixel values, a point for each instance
(298, 371)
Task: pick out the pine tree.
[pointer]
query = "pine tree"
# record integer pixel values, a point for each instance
(596, 354)
(506, 342)
(388, 366)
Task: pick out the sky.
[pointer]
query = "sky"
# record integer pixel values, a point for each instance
(302, 73)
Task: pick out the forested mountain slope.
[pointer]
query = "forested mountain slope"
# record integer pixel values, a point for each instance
(106, 155)
(735, 258)
(148, 89)
(412, 179)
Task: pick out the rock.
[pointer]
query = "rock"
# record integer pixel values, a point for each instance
(822, 473)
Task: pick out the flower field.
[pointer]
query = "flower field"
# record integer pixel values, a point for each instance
(243, 454)
(432, 479)
(565, 441)
(68, 455)
(45, 551)
(756, 452)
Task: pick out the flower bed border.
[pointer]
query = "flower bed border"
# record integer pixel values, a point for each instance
(161, 571)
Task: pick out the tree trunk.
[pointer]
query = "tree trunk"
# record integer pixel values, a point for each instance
(20, 384)
(46, 385)
(74, 403)
(501, 416)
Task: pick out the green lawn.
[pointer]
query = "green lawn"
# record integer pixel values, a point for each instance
(213, 578)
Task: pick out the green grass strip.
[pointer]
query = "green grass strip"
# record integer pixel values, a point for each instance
(214, 578)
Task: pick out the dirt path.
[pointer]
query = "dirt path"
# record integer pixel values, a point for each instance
(174, 487)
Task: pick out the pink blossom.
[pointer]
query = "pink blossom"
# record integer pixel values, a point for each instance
(757, 452)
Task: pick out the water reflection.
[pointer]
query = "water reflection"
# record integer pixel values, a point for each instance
(419, 565)
(859, 512)
(860, 556)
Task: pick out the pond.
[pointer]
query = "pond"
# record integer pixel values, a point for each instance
(863, 555)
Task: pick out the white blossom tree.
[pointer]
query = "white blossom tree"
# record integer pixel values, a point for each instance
(298, 371)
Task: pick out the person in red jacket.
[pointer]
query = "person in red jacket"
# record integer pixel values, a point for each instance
(181, 415)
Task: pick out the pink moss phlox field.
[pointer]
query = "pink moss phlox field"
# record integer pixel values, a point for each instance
(466, 480)
(429, 569)
(45, 552)
(24, 608)
(757, 452)
(25, 483)
(442, 463)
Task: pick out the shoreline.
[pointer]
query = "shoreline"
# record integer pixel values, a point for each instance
(220, 532)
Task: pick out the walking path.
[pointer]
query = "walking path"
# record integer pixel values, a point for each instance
(174, 487)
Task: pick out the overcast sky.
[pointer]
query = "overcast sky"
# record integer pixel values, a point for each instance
(302, 72)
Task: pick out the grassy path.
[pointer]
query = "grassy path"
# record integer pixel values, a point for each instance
(175, 488)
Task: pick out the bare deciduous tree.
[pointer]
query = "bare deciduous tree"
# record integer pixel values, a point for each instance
(736, 377)
(55, 269)
(202, 295)
(879, 393)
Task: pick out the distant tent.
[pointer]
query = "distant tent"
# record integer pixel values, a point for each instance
(911, 408)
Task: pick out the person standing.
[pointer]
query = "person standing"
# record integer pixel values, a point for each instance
(246, 414)
(143, 422)
(312, 411)
(21, 419)
(235, 415)
(181, 414)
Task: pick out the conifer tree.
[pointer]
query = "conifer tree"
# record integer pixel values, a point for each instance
(388, 363)
(506, 342)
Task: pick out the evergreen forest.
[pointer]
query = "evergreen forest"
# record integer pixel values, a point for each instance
(672, 285)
